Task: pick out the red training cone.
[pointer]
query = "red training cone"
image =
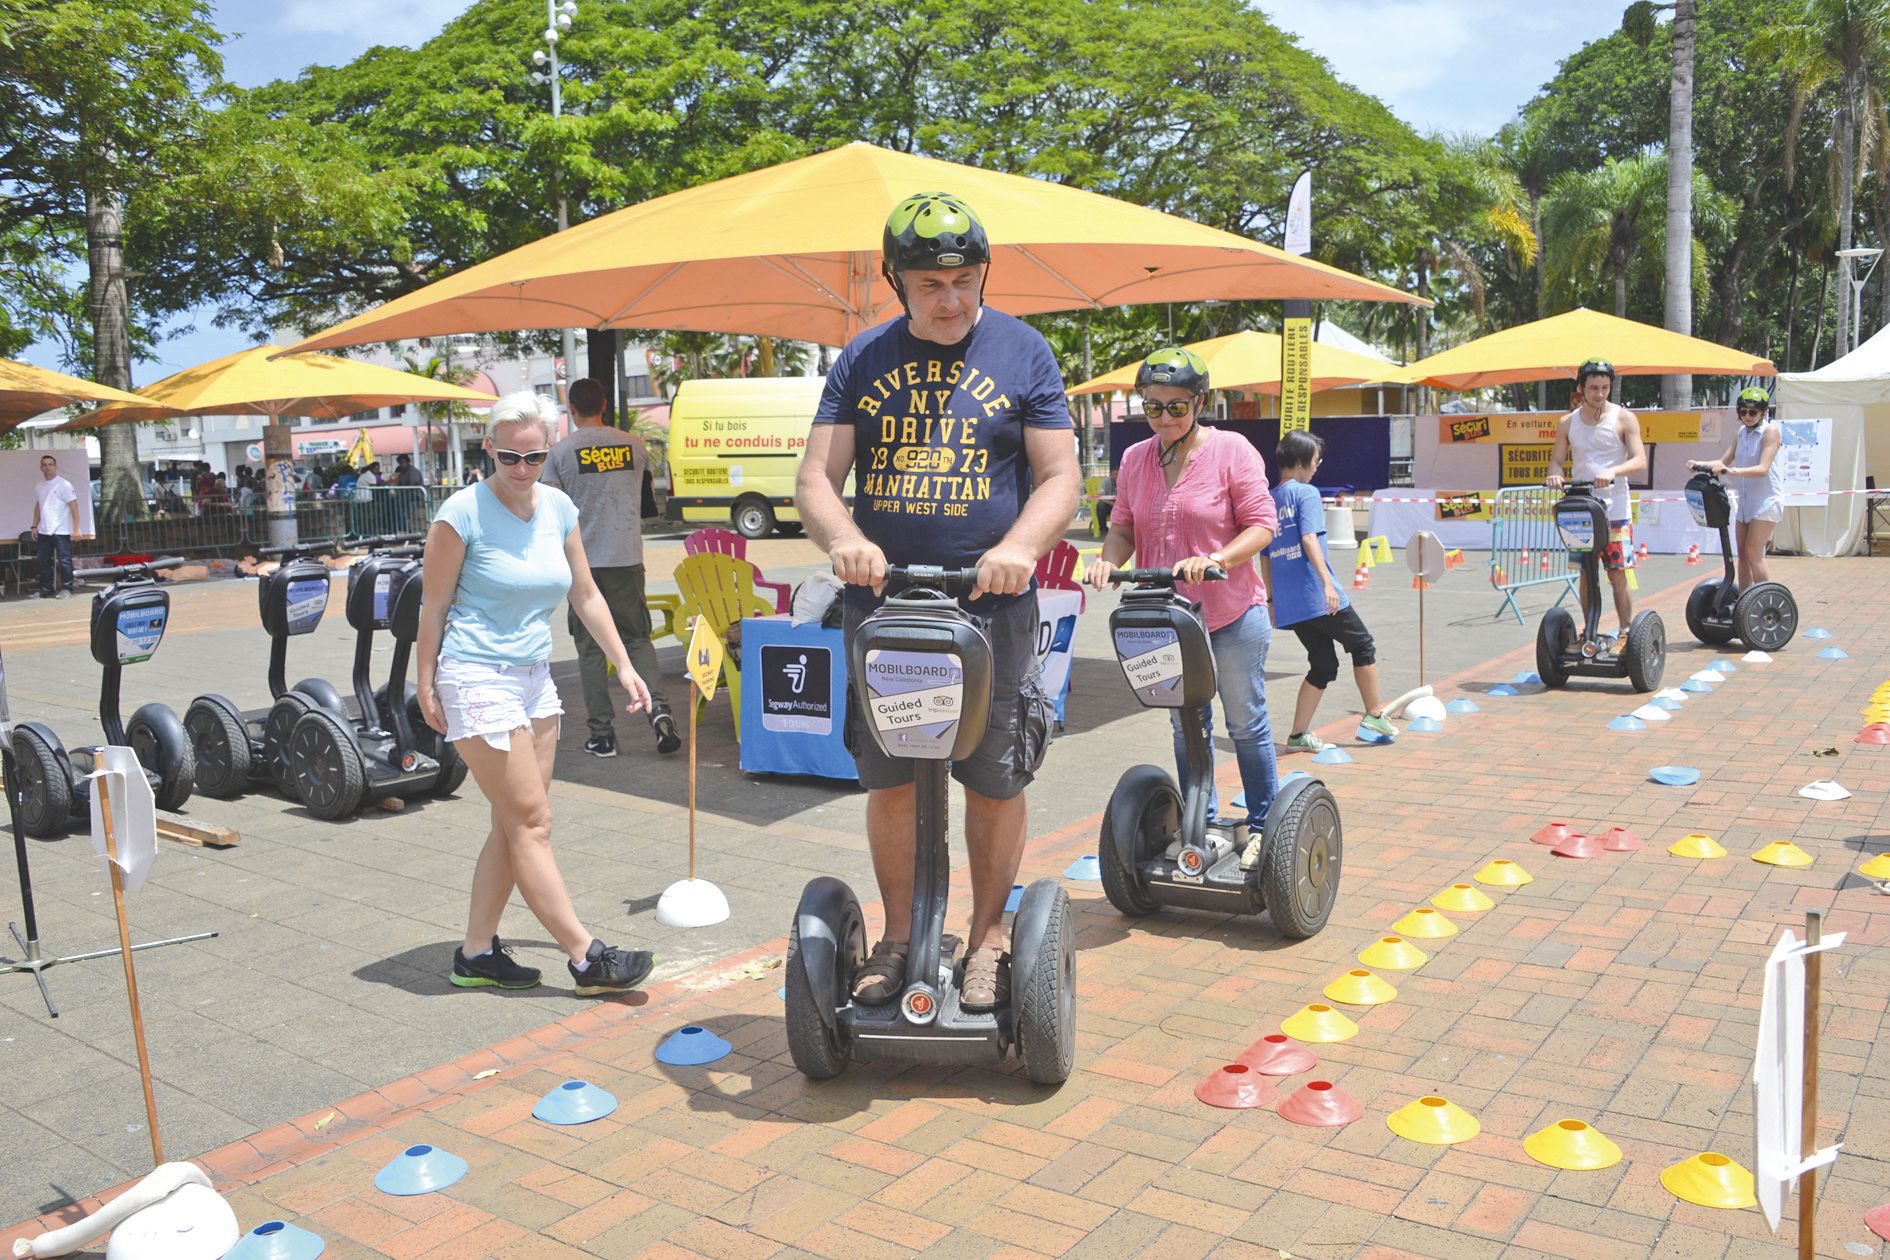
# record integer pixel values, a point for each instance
(1552, 833)
(1619, 840)
(1578, 846)
(1878, 1221)
(1276, 1054)
(1875, 733)
(1234, 1085)
(1321, 1105)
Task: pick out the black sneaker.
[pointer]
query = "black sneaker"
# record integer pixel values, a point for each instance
(668, 740)
(611, 970)
(601, 745)
(493, 970)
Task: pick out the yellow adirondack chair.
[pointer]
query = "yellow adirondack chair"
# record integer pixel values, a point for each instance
(721, 590)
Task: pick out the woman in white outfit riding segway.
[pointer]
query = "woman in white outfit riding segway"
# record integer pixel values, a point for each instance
(1751, 458)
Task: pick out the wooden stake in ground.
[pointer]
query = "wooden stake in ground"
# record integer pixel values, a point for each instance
(131, 972)
(1808, 1104)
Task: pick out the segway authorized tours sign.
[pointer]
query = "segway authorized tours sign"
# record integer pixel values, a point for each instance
(797, 689)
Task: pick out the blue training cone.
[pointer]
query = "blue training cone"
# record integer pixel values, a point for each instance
(1366, 735)
(575, 1102)
(1015, 899)
(1528, 678)
(1667, 703)
(1503, 689)
(1333, 755)
(1239, 803)
(691, 1047)
(1085, 868)
(277, 1240)
(1695, 688)
(1834, 654)
(1723, 665)
(1424, 725)
(1627, 722)
(419, 1170)
(1462, 705)
(781, 993)
(1817, 632)
(1674, 776)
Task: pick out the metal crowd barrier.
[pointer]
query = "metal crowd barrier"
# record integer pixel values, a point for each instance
(1525, 549)
(177, 524)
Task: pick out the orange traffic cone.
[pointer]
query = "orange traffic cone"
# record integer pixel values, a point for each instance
(1643, 552)
(1693, 553)
(1360, 576)
(1545, 562)
(1525, 555)
(1419, 584)
(1502, 578)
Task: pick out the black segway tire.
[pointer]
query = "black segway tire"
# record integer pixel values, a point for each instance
(45, 791)
(219, 746)
(158, 738)
(1699, 609)
(1766, 617)
(330, 777)
(1043, 983)
(1300, 860)
(1555, 638)
(283, 715)
(1144, 812)
(818, 1043)
(1645, 656)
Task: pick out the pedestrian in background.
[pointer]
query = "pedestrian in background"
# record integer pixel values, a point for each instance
(53, 518)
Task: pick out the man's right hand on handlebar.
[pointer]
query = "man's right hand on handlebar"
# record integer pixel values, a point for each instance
(1553, 481)
(858, 562)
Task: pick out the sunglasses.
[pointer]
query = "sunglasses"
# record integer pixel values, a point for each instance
(1748, 410)
(1176, 409)
(532, 458)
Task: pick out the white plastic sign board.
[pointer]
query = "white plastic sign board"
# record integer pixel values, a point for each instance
(134, 814)
(1778, 1077)
(1424, 554)
(1804, 462)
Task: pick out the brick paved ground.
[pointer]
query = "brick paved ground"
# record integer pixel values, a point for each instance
(1621, 991)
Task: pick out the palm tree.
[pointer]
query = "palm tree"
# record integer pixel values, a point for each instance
(438, 366)
(1596, 222)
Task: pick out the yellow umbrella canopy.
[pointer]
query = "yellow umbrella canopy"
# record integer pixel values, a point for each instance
(793, 251)
(1552, 348)
(254, 383)
(1250, 361)
(25, 391)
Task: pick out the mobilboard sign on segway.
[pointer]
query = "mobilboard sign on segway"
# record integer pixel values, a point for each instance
(1582, 521)
(128, 623)
(1155, 849)
(921, 668)
(1766, 617)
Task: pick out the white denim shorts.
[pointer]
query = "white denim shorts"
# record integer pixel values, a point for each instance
(492, 701)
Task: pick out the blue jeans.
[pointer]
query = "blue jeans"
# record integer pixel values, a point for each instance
(1240, 659)
(51, 545)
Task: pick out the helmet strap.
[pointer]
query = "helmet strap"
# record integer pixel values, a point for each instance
(1169, 451)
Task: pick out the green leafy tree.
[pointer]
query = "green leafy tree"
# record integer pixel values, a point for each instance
(1597, 223)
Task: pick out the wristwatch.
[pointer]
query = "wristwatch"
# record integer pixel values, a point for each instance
(1219, 560)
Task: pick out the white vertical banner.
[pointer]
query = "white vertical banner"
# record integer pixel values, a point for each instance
(1299, 217)
(1778, 1077)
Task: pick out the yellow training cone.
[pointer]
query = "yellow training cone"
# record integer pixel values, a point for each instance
(1572, 1145)
(1359, 987)
(1782, 853)
(1710, 1180)
(1425, 924)
(1696, 845)
(1503, 873)
(1462, 899)
(1393, 953)
(1319, 1022)
(1877, 868)
(1435, 1121)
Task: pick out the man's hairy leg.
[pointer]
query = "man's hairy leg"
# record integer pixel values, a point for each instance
(994, 837)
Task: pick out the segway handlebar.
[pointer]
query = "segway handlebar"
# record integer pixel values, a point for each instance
(1163, 577)
(949, 581)
(387, 544)
(144, 568)
(1694, 465)
(302, 550)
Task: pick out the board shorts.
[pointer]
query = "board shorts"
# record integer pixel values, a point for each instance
(1618, 555)
(489, 702)
(1012, 750)
(1323, 635)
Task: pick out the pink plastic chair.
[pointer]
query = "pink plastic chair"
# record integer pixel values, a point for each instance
(726, 542)
(1056, 571)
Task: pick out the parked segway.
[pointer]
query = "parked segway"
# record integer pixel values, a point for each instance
(236, 748)
(1766, 617)
(1581, 519)
(408, 724)
(128, 622)
(1155, 849)
(922, 677)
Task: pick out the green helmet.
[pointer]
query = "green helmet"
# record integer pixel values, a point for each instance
(1177, 366)
(1594, 367)
(933, 232)
(1755, 395)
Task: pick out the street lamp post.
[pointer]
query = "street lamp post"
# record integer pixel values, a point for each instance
(558, 15)
(1852, 257)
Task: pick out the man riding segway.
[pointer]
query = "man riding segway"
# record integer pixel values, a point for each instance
(1605, 440)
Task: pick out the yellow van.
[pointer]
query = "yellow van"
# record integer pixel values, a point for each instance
(734, 449)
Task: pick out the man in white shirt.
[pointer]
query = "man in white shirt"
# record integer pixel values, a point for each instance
(53, 517)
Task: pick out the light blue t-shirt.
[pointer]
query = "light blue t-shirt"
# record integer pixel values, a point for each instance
(1298, 594)
(514, 575)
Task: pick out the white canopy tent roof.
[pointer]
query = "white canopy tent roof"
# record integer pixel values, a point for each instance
(1854, 392)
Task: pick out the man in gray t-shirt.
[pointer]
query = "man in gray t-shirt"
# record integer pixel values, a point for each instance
(602, 469)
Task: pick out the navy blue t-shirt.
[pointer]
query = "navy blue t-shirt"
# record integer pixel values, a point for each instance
(940, 472)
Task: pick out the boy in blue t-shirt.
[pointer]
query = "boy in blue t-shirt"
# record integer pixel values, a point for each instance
(1307, 601)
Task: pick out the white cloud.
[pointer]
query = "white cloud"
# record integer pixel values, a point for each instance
(369, 22)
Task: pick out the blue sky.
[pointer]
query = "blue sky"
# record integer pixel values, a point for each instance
(1441, 65)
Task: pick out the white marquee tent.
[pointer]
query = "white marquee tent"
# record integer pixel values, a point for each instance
(1854, 392)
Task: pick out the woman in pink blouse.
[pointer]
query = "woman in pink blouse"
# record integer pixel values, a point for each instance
(1187, 498)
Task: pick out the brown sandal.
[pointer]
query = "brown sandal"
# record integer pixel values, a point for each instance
(987, 982)
(884, 974)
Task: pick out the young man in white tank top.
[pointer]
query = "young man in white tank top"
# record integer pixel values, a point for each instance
(1605, 440)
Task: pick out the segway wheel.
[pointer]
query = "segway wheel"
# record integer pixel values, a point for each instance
(323, 693)
(1646, 653)
(45, 792)
(330, 777)
(1144, 814)
(1043, 986)
(219, 744)
(1555, 639)
(162, 747)
(1300, 860)
(1766, 617)
(283, 715)
(819, 1044)
(1699, 614)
